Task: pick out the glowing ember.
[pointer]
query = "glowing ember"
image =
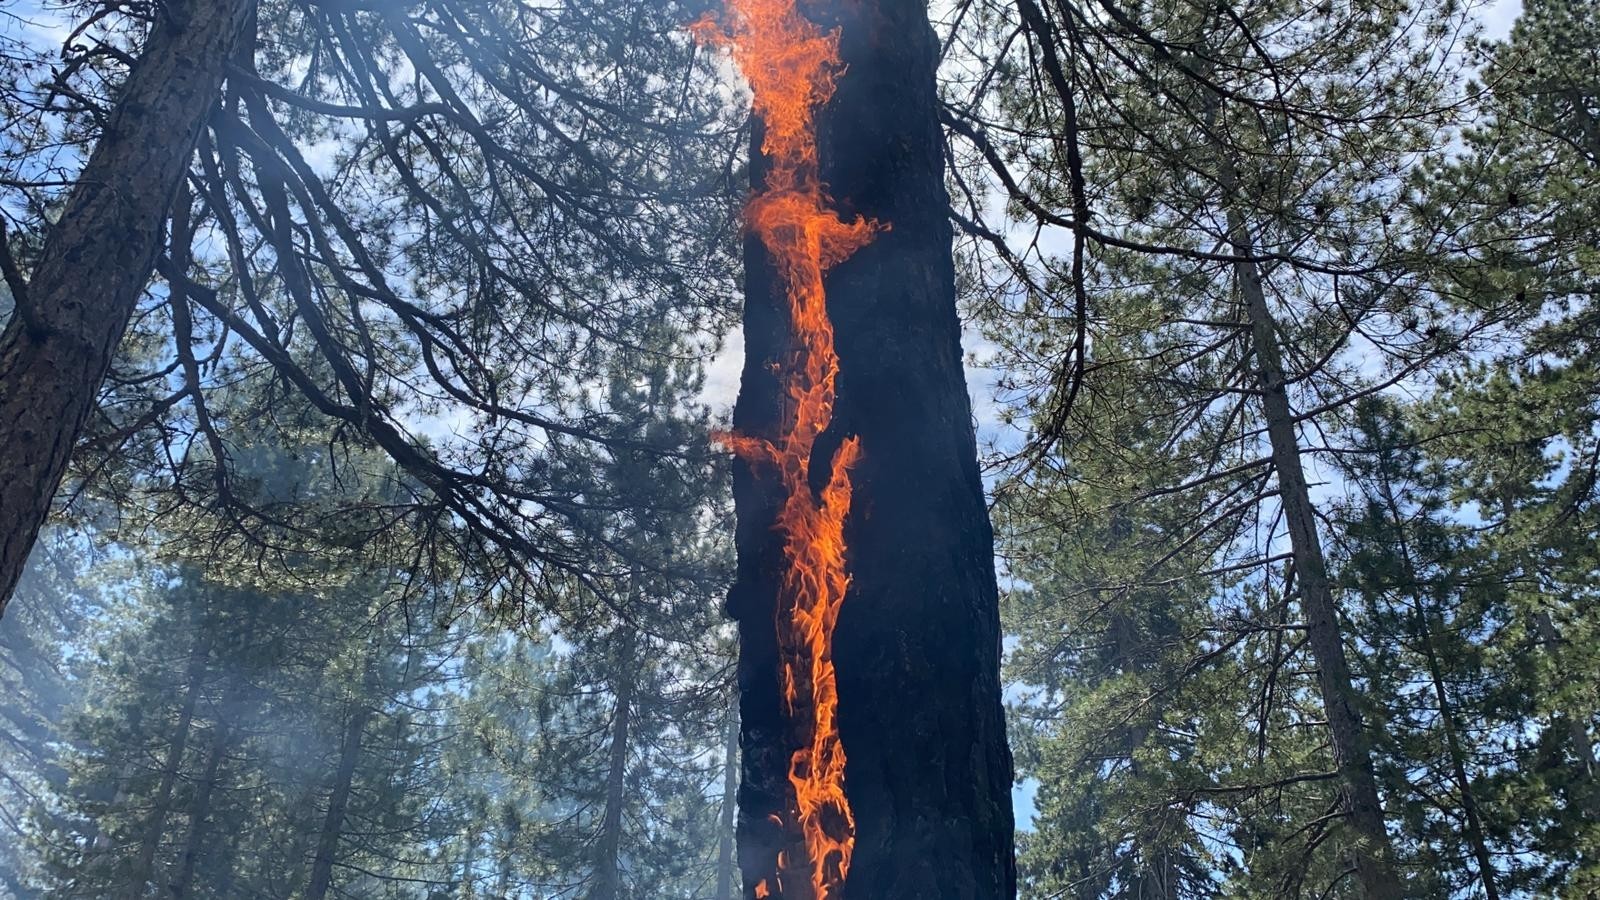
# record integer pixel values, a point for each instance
(791, 66)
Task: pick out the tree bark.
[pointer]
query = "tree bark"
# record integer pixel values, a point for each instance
(1352, 751)
(58, 346)
(917, 649)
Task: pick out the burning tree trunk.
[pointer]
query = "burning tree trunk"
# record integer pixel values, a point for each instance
(875, 758)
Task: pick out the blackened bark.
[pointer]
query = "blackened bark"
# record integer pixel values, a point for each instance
(55, 351)
(918, 643)
(1370, 850)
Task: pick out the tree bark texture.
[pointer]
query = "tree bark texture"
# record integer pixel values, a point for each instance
(917, 649)
(58, 346)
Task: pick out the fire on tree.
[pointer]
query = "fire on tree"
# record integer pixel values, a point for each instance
(791, 67)
(875, 756)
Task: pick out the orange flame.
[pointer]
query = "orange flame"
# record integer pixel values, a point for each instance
(791, 66)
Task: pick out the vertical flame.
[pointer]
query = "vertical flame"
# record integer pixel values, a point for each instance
(791, 66)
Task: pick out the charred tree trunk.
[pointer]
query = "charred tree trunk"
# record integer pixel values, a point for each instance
(730, 790)
(56, 349)
(1352, 751)
(917, 648)
(156, 825)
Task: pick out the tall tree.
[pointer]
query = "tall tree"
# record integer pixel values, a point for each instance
(1426, 613)
(69, 316)
(873, 737)
(1221, 157)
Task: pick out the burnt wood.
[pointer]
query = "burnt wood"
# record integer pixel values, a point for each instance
(917, 650)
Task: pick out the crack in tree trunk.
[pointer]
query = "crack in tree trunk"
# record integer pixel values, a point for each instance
(917, 648)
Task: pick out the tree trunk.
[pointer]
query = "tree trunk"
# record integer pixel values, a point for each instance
(56, 349)
(1458, 761)
(1447, 710)
(200, 809)
(156, 824)
(1582, 749)
(343, 780)
(917, 645)
(607, 876)
(1352, 752)
(730, 790)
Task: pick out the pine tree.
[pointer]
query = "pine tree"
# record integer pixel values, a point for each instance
(1233, 163)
